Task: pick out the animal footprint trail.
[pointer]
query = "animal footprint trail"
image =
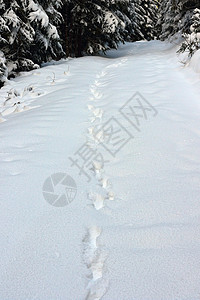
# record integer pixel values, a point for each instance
(95, 92)
(93, 254)
(97, 200)
(98, 166)
(101, 74)
(98, 290)
(95, 134)
(104, 182)
(94, 258)
(91, 245)
(95, 137)
(97, 113)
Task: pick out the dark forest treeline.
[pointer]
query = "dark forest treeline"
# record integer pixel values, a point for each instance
(37, 31)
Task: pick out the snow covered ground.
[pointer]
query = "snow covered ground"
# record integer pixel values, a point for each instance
(126, 128)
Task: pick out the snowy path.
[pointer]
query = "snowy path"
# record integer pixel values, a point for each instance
(132, 232)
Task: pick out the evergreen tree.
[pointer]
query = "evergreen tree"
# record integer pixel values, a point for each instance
(3, 41)
(192, 39)
(3, 69)
(30, 30)
(143, 16)
(149, 14)
(16, 36)
(181, 17)
(28, 34)
(169, 19)
(175, 16)
(93, 26)
(126, 14)
(45, 17)
(137, 19)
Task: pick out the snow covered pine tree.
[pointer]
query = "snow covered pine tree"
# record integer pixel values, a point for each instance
(45, 17)
(17, 36)
(4, 30)
(98, 25)
(181, 17)
(149, 15)
(28, 35)
(169, 19)
(93, 26)
(3, 69)
(30, 29)
(192, 39)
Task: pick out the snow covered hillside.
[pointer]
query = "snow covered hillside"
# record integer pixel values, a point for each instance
(100, 180)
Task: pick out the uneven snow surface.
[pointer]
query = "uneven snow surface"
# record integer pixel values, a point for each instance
(126, 128)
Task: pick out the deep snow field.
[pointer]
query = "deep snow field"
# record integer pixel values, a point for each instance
(119, 138)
